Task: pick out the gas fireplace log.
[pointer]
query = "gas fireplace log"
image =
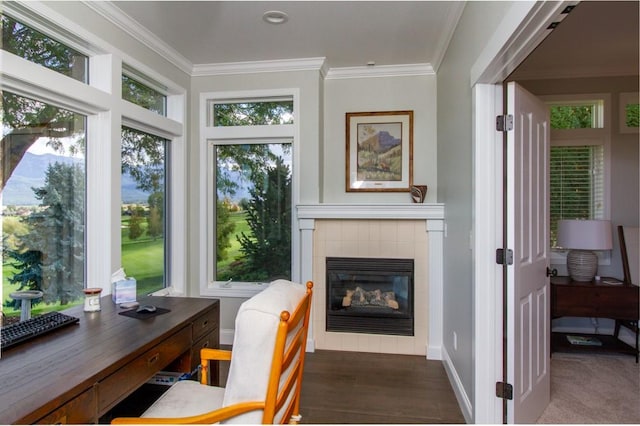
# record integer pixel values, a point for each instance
(360, 297)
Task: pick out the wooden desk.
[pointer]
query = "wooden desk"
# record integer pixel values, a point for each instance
(593, 300)
(78, 373)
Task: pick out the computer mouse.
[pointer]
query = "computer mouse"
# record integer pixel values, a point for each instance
(145, 309)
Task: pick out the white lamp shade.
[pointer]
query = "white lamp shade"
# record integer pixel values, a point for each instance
(585, 234)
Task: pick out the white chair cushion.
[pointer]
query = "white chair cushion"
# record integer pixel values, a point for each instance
(255, 330)
(255, 333)
(186, 398)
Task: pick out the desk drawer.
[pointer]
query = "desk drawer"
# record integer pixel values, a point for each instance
(124, 381)
(80, 410)
(618, 302)
(211, 340)
(206, 323)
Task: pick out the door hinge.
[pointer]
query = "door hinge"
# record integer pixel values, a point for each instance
(504, 256)
(504, 390)
(504, 123)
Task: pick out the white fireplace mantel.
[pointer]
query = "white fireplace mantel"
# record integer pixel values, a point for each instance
(428, 211)
(431, 213)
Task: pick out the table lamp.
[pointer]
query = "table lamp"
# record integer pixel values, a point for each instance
(582, 237)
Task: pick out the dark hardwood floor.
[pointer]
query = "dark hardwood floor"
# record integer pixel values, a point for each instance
(352, 388)
(357, 388)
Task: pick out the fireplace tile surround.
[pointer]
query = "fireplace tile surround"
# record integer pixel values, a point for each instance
(386, 231)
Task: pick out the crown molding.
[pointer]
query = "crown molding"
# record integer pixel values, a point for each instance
(118, 18)
(450, 27)
(581, 72)
(380, 71)
(280, 65)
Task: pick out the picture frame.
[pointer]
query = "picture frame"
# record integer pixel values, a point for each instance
(379, 151)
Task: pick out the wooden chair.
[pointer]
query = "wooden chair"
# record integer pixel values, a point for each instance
(265, 374)
(629, 238)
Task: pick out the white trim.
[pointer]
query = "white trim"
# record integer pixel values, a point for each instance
(458, 388)
(250, 67)
(433, 214)
(450, 26)
(131, 27)
(522, 29)
(487, 229)
(228, 135)
(371, 211)
(101, 102)
(380, 71)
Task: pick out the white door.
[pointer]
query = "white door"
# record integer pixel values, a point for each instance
(528, 304)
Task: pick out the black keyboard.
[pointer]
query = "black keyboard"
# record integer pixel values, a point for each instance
(22, 331)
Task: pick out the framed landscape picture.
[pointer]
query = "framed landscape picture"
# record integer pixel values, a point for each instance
(379, 151)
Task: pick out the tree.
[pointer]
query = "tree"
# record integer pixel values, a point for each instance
(268, 250)
(29, 263)
(28, 119)
(155, 223)
(135, 223)
(58, 232)
(224, 229)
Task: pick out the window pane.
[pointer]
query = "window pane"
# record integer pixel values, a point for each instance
(632, 114)
(144, 194)
(572, 116)
(577, 184)
(43, 203)
(144, 96)
(252, 113)
(253, 212)
(37, 47)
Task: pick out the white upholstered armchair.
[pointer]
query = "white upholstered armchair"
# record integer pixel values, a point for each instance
(265, 375)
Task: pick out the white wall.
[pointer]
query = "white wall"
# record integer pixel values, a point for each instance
(475, 28)
(368, 94)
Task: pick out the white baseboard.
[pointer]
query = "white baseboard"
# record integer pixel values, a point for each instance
(463, 399)
(226, 336)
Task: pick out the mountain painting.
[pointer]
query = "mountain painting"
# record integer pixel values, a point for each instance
(379, 152)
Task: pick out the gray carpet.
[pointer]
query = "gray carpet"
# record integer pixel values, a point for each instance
(590, 388)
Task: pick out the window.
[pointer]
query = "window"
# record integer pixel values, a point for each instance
(144, 197)
(253, 211)
(142, 95)
(43, 203)
(250, 167)
(576, 187)
(34, 46)
(69, 128)
(578, 161)
(270, 112)
(629, 113)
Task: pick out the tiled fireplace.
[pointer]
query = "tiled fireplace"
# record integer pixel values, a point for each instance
(402, 232)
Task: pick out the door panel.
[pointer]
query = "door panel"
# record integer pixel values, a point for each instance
(528, 303)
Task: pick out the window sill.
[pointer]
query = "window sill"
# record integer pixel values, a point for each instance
(239, 289)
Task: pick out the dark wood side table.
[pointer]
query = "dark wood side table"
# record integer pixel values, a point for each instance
(596, 299)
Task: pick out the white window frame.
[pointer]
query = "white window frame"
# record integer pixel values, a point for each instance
(106, 112)
(211, 136)
(599, 135)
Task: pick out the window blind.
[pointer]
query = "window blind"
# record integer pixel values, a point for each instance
(576, 184)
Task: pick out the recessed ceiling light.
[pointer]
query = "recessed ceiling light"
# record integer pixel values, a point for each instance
(275, 17)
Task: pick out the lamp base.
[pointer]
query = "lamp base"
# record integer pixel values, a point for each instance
(582, 265)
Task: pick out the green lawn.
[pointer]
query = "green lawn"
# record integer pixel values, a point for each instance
(142, 259)
(240, 221)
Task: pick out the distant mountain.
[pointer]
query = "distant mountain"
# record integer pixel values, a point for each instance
(30, 174)
(380, 142)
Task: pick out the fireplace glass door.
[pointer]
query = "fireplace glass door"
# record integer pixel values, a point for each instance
(370, 295)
